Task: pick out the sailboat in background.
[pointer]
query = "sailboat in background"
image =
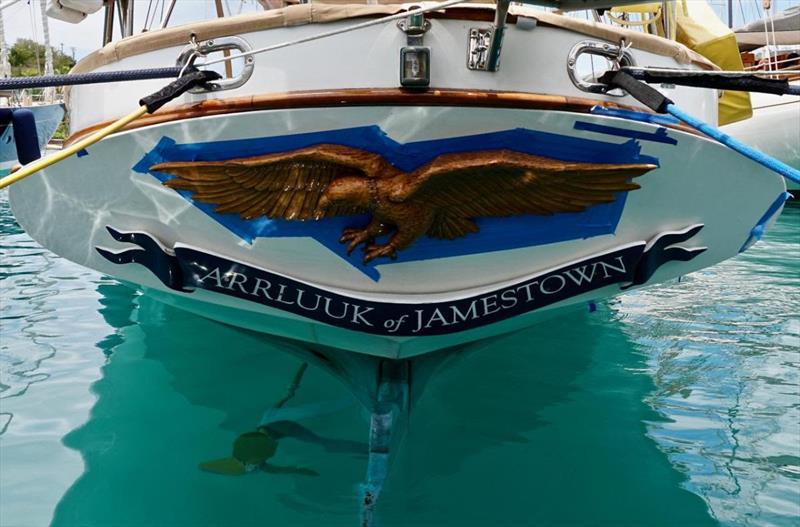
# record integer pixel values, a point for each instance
(772, 44)
(767, 122)
(27, 123)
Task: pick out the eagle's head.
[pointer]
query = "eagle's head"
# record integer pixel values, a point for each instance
(348, 191)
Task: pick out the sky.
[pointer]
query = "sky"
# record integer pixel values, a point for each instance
(22, 20)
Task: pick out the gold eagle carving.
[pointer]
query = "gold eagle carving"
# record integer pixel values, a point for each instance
(440, 199)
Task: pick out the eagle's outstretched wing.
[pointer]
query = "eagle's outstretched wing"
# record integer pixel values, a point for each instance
(285, 185)
(462, 187)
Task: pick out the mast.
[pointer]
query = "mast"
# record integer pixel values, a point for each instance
(5, 68)
(108, 22)
(49, 93)
(125, 17)
(730, 14)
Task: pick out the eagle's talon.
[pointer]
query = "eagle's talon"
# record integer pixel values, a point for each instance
(356, 243)
(356, 237)
(348, 233)
(374, 251)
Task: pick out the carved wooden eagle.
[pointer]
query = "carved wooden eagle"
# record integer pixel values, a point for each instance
(440, 199)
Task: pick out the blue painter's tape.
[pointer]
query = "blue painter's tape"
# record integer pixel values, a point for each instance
(659, 136)
(760, 228)
(408, 156)
(634, 116)
(495, 234)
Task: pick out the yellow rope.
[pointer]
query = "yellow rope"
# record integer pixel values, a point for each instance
(39, 164)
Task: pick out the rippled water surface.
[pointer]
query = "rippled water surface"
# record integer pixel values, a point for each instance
(677, 405)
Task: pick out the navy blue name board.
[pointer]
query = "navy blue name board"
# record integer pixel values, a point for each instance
(189, 269)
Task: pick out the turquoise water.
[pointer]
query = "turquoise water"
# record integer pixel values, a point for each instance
(678, 405)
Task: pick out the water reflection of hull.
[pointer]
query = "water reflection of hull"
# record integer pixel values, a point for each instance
(176, 393)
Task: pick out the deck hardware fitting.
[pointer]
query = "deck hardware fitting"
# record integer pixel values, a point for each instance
(415, 59)
(195, 50)
(485, 44)
(618, 56)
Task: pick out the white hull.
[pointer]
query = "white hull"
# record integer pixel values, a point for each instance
(499, 279)
(86, 195)
(773, 129)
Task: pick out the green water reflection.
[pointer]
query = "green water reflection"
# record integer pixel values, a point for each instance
(545, 427)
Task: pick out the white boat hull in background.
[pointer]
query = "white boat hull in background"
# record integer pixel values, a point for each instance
(774, 129)
(47, 116)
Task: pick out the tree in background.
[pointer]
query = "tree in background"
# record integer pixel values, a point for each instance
(27, 58)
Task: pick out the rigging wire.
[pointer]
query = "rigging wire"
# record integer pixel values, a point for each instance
(774, 37)
(35, 37)
(741, 8)
(149, 23)
(119, 19)
(165, 18)
(766, 35)
(150, 20)
(318, 36)
(706, 73)
(147, 16)
(777, 62)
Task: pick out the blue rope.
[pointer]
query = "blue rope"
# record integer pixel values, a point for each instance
(69, 79)
(715, 133)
